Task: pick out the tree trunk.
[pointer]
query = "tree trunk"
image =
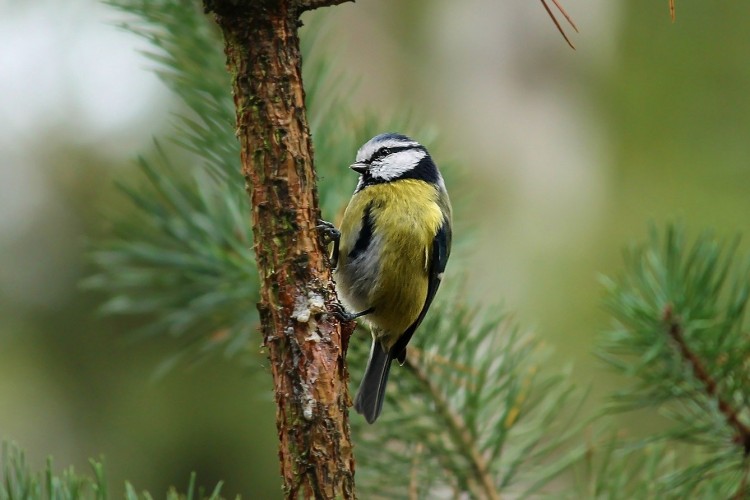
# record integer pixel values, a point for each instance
(305, 346)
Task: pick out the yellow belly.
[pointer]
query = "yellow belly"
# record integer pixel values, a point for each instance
(393, 277)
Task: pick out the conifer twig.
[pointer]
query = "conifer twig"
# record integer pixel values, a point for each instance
(460, 433)
(675, 331)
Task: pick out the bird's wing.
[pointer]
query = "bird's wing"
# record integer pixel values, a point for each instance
(441, 249)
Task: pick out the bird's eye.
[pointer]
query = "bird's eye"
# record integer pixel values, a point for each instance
(382, 153)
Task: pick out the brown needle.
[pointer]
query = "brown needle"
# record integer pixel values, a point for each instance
(567, 18)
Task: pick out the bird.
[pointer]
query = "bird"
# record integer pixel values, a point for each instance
(390, 252)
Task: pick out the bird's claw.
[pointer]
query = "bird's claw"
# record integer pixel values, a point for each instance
(338, 310)
(328, 232)
(341, 313)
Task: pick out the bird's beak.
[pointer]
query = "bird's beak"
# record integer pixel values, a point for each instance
(359, 167)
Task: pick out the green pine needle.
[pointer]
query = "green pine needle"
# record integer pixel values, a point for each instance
(472, 410)
(18, 482)
(680, 334)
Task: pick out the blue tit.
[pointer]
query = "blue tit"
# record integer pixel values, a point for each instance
(391, 251)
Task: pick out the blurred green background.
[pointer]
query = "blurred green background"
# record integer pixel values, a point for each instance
(567, 156)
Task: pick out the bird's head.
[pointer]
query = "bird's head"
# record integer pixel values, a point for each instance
(391, 157)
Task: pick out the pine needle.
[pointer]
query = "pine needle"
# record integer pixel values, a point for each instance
(557, 24)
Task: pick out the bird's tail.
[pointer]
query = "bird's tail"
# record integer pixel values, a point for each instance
(369, 400)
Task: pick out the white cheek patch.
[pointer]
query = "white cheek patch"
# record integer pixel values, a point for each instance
(396, 164)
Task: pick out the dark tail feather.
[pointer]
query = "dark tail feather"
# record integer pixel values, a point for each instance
(369, 400)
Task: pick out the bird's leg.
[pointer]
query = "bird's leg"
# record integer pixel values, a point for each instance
(329, 234)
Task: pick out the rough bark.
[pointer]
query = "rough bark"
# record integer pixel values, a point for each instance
(305, 346)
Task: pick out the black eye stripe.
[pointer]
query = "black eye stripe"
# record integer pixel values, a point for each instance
(383, 152)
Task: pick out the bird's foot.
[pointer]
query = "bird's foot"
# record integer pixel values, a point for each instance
(329, 234)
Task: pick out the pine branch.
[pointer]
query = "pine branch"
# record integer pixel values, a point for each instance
(461, 434)
(471, 399)
(680, 334)
(675, 330)
(182, 257)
